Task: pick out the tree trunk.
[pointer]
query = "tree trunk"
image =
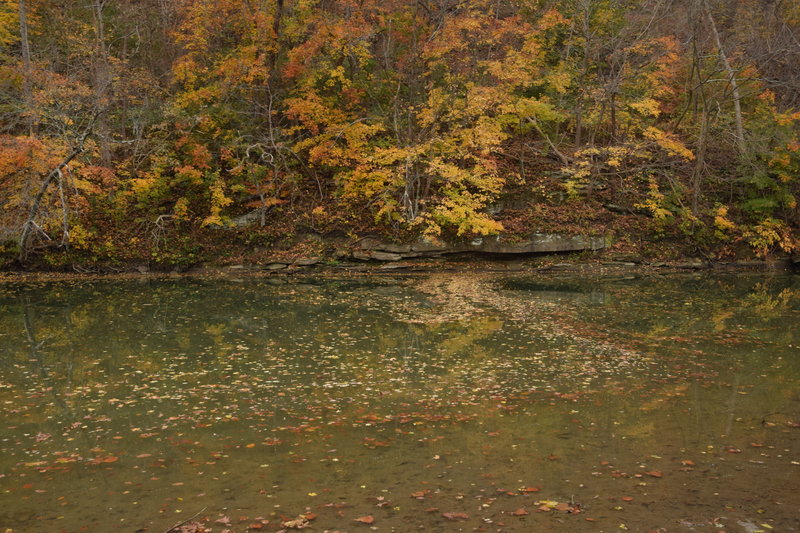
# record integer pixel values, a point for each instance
(27, 85)
(737, 106)
(101, 82)
(700, 161)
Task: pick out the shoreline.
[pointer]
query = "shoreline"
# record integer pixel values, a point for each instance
(312, 267)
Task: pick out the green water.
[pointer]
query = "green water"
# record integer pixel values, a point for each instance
(437, 403)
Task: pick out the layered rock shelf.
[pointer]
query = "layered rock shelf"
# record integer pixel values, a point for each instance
(375, 250)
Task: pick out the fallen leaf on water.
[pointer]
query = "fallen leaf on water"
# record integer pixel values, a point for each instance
(627, 499)
(456, 516)
(519, 512)
(655, 473)
(366, 519)
(106, 459)
(299, 523)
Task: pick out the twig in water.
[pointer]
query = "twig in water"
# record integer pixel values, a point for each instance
(179, 524)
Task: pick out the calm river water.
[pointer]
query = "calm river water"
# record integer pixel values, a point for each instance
(432, 403)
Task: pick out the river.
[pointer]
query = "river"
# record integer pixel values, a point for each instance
(448, 402)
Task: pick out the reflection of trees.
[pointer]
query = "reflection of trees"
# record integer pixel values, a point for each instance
(338, 331)
(38, 374)
(703, 309)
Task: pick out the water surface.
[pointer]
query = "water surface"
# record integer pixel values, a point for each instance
(434, 403)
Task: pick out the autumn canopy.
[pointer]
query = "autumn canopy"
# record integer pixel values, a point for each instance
(447, 119)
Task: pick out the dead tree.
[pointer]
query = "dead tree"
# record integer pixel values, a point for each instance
(55, 174)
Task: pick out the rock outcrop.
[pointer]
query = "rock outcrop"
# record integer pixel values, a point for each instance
(373, 249)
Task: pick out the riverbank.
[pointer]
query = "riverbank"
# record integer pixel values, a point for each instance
(585, 264)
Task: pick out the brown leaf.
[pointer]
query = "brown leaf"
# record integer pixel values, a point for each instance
(366, 519)
(456, 516)
(106, 459)
(519, 512)
(655, 473)
(299, 523)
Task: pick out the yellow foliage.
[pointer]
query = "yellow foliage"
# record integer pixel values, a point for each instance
(218, 202)
(769, 234)
(722, 224)
(668, 142)
(81, 238)
(181, 209)
(654, 203)
(646, 106)
(9, 23)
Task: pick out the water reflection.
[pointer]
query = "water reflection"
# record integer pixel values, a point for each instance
(659, 402)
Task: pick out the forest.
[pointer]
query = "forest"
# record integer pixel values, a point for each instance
(180, 131)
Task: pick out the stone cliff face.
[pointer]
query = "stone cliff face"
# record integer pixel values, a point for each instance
(373, 249)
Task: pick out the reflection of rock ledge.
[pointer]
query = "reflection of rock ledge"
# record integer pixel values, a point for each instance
(535, 243)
